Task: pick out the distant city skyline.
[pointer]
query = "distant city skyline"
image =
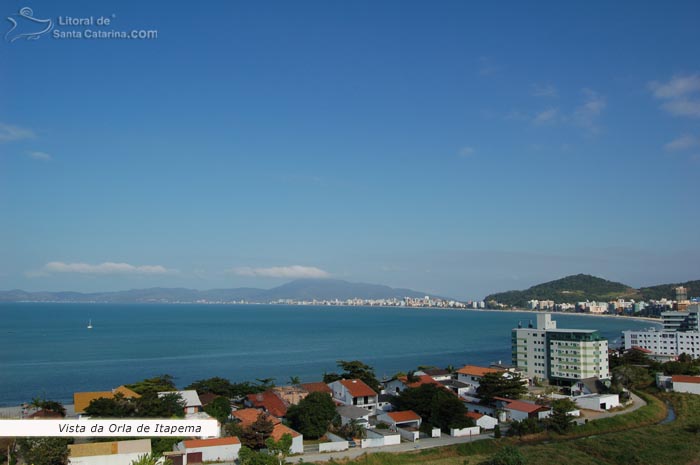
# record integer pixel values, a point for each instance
(457, 148)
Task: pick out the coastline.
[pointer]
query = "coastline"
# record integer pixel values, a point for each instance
(597, 315)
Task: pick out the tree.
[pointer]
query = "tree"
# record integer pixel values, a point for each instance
(507, 455)
(265, 383)
(497, 432)
(524, 427)
(312, 416)
(437, 406)
(294, 380)
(219, 408)
(499, 384)
(255, 435)
(281, 448)
(53, 406)
(44, 451)
(357, 370)
(215, 385)
(154, 385)
(117, 407)
(631, 376)
(149, 459)
(560, 420)
(352, 429)
(153, 406)
(247, 456)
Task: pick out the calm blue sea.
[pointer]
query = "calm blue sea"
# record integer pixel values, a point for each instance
(46, 349)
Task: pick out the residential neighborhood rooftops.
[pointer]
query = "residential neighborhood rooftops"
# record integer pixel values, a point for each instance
(357, 387)
(280, 430)
(317, 387)
(352, 412)
(526, 407)
(420, 380)
(269, 401)
(248, 416)
(405, 415)
(193, 443)
(81, 400)
(474, 370)
(436, 372)
(685, 379)
(190, 397)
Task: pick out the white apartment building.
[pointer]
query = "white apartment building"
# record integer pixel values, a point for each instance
(680, 334)
(560, 355)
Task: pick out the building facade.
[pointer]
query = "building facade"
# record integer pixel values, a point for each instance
(680, 334)
(560, 355)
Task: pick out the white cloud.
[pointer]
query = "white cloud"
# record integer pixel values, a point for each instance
(546, 116)
(466, 152)
(683, 107)
(682, 143)
(9, 133)
(678, 86)
(39, 156)
(587, 113)
(101, 269)
(676, 94)
(545, 91)
(294, 271)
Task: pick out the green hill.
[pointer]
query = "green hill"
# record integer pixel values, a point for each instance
(668, 290)
(571, 289)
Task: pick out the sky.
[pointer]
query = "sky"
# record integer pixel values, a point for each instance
(457, 148)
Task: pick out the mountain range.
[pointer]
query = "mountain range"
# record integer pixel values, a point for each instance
(301, 289)
(582, 287)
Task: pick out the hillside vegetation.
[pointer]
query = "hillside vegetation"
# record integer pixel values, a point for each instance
(570, 289)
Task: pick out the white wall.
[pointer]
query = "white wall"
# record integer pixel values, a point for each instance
(408, 435)
(297, 445)
(336, 444)
(469, 431)
(435, 433)
(487, 422)
(218, 453)
(690, 388)
(113, 459)
(593, 402)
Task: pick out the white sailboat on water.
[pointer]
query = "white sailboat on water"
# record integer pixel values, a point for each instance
(89, 326)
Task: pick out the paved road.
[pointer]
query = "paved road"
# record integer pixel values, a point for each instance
(355, 452)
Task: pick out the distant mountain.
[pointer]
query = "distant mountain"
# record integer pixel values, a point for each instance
(302, 289)
(570, 289)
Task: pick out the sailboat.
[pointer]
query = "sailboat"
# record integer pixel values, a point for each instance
(89, 326)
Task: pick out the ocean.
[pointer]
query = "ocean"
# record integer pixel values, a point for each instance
(46, 349)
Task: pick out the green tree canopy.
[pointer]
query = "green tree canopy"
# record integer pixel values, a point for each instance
(154, 385)
(507, 455)
(247, 456)
(215, 385)
(631, 376)
(312, 416)
(44, 451)
(255, 435)
(117, 407)
(560, 420)
(354, 369)
(437, 406)
(281, 448)
(219, 408)
(508, 385)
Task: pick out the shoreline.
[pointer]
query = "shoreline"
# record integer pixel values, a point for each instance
(597, 315)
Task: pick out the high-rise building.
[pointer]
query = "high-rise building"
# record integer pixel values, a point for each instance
(560, 355)
(680, 334)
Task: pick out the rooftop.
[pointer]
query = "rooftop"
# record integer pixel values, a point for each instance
(474, 370)
(406, 415)
(357, 388)
(193, 443)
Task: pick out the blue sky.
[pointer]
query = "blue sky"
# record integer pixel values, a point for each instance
(459, 148)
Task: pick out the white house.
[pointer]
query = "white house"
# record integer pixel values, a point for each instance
(689, 384)
(350, 413)
(108, 453)
(483, 421)
(471, 375)
(519, 410)
(211, 450)
(402, 419)
(438, 374)
(355, 392)
(191, 399)
(598, 402)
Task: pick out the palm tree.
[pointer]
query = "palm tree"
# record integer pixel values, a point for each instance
(294, 380)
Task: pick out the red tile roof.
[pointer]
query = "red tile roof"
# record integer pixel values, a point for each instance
(422, 379)
(270, 402)
(525, 406)
(280, 430)
(357, 387)
(247, 416)
(474, 370)
(317, 387)
(475, 415)
(45, 414)
(211, 442)
(685, 379)
(406, 415)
